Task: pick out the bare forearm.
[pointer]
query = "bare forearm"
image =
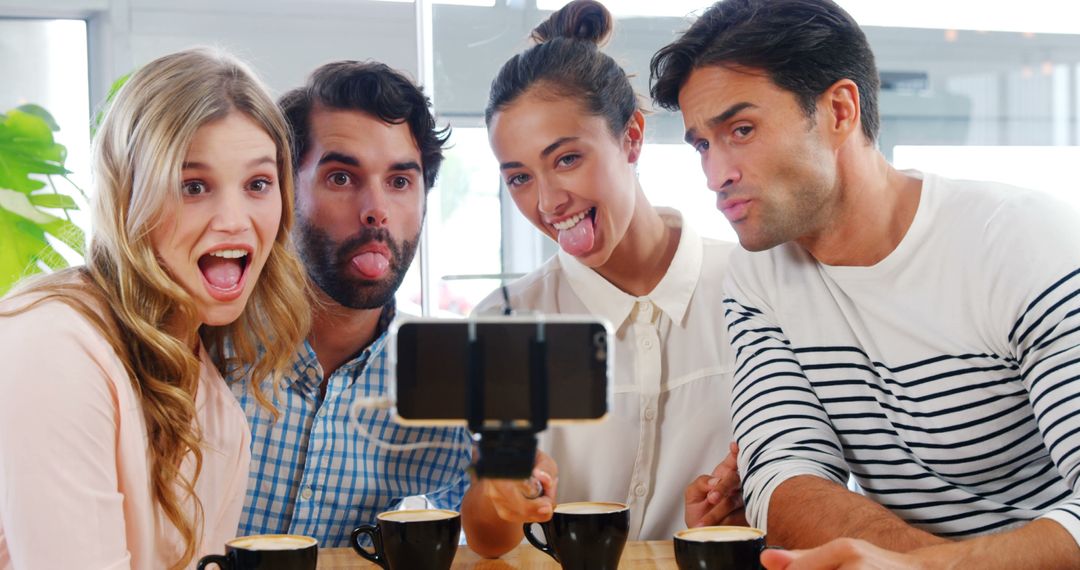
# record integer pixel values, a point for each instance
(808, 511)
(1038, 545)
(488, 534)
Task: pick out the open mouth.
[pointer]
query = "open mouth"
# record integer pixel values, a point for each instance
(577, 234)
(569, 223)
(223, 271)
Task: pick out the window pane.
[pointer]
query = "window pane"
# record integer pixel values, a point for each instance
(463, 221)
(950, 95)
(44, 62)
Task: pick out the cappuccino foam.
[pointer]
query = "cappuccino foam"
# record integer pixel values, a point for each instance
(417, 516)
(720, 534)
(273, 542)
(589, 508)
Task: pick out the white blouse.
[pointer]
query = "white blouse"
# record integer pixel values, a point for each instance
(670, 418)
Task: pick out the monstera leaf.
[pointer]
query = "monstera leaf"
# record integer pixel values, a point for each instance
(29, 158)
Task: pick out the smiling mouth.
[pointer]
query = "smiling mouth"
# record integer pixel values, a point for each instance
(577, 234)
(224, 271)
(574, 220)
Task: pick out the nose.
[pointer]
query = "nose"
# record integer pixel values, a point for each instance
(720, 171)
(233, 214)
(552, 197)
(374, 210)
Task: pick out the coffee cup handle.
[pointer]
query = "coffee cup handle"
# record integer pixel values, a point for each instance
(379, 556)
(222, 562)
(545, 548)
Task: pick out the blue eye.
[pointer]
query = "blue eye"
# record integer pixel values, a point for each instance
(701, 146)
(569, 159)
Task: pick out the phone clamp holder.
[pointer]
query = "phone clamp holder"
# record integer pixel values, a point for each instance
(507, 449)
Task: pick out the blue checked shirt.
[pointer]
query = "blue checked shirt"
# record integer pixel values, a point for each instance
(311, 474)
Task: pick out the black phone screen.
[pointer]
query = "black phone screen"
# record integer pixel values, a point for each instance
(432, 368)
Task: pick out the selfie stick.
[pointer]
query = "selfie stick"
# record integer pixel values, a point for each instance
(507, 449)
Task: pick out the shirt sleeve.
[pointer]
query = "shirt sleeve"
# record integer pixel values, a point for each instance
(58, 431)
(1039, 280)
(781, 428)
(450, 496)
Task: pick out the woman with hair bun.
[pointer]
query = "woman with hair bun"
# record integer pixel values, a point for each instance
(567, 129)
(120, 444)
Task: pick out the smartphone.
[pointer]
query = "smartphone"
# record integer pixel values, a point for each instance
(430, 358)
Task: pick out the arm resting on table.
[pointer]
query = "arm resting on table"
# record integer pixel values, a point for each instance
(807, 511)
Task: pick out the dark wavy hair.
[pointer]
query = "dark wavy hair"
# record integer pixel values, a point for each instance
(805, 46)
(568, 61)
(373, 88)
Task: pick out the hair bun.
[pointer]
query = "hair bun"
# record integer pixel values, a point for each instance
(586, 20)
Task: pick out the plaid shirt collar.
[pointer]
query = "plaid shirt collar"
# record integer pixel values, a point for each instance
(309, 373)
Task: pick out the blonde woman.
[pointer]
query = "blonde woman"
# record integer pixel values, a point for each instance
(120, 445)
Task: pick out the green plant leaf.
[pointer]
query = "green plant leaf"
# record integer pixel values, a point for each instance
(19, 204)
(40, 112)
(28, 154)
(27, 148)
(24, 244)
(61, 201)
(113, 90)
(69, 233)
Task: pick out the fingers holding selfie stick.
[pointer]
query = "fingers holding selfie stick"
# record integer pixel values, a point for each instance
(526, 500)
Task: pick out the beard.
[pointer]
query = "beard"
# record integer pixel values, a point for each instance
(327, 263)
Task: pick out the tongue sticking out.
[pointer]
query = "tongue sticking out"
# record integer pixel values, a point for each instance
(222, 273)
(371, 265)
(578, 240)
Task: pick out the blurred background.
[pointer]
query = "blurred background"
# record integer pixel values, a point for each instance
(970, 89)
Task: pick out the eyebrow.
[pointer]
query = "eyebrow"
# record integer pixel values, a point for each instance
(543, 154)
(196, 165)
(721, 118)
(340, 157)
(408, 165)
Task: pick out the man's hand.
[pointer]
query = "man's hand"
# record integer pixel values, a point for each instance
(716, 499)
(517, 502)
(842, 553)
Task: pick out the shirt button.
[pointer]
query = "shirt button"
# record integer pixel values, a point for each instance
(646, 343)
(650, 414)
(306, 494)
(639, 490)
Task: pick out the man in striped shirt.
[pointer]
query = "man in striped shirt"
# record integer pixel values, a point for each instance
(919, 334)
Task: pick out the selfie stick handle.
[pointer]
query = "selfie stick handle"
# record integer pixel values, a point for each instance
(507, 451)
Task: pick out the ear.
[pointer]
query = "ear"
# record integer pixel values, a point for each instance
(634, 136)
(839, 105)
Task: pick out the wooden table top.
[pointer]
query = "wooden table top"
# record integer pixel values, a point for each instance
(652, 555)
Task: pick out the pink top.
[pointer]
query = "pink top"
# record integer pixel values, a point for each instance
(74, 469)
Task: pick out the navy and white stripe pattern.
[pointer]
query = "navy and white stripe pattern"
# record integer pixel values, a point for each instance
(958, 445)
(312, 475)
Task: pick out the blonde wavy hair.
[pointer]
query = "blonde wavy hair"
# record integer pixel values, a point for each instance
(137, 159)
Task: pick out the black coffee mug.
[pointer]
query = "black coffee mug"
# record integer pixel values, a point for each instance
(719, 548)
(584, 536)
(266, 552)
(411, 540)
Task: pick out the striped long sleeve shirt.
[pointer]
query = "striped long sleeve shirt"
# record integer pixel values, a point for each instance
(945, 378)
